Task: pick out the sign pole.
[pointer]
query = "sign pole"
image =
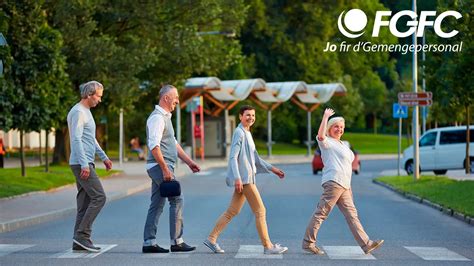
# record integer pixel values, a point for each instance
(400, 112)
(399, 143)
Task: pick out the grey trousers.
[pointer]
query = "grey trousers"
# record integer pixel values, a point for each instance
(90, 200)
(156, 208)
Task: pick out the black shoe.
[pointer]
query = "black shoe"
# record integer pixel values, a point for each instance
(76, 247)
(92, 245)
(154, 249)
(183, 247)
(87, 245)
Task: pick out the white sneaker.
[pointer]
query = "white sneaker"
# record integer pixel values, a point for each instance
(214, 247)
(276, 249)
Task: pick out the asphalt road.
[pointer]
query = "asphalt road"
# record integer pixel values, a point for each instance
(414, 234)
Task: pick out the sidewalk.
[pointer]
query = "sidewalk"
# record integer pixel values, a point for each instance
(37, 207)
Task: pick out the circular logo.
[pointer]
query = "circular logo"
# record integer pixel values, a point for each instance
(355, 21)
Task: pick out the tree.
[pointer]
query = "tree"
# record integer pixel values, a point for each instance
(133, 47)
(36, 67)
(452, 74)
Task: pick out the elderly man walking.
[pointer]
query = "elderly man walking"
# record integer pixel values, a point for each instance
(161, 162)
(84, 146)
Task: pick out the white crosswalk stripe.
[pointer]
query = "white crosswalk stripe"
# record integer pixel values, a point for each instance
(347, 253)
(70, 254)
(171, 255)
(436, 253)
(254, 252)
(6, 249)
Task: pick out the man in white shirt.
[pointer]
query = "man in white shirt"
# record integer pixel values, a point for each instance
(161, 162)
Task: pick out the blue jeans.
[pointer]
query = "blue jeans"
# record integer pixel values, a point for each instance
(156, 208)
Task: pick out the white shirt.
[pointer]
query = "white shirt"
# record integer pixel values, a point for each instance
(337, 159)
(156, 126)
(252, 149)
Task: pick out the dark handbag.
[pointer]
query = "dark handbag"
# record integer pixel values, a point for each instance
(170, 189)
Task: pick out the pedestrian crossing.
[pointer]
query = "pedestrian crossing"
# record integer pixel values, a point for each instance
(250, 252)
(71, 254)
(347, 253)
(255, 252)
(436, 253)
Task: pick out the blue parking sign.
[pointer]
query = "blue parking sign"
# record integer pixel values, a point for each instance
(400, 111)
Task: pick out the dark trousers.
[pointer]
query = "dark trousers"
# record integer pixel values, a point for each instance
(90, 200)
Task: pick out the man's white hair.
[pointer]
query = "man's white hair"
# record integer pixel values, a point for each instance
(89, 88)
(165, 89)
(333, 121)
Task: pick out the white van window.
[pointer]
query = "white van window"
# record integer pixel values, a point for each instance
(452, 137)
(428, 139)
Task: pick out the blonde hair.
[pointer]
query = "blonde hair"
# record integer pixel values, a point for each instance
(333, 121)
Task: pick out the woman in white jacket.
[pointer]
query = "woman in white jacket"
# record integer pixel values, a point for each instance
(244, 164)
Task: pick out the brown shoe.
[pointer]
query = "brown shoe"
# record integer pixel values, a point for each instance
(313, 249)
(375, 245)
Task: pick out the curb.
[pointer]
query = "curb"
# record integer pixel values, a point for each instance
(49, 216)
(450, 212)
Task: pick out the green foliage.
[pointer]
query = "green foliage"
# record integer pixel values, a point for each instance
(457, 195)
(35, 80)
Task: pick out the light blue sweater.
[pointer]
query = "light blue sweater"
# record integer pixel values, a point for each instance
(83, 143)
(240, 160)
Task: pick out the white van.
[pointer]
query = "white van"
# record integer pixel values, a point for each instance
(441, 149)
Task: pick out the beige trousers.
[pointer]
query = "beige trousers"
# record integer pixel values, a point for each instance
(251, 194)
(335, 194)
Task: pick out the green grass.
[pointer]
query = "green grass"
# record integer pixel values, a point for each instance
(280, 148)
(453, 194)
(374, 144)
(12, 183)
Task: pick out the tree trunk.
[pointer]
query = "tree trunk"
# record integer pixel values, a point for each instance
(46, 166)
(61, 146)
(468, 140)
(40, 159)
(22, 155)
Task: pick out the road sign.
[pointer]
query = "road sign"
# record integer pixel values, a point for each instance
(415, 96)
(400, 111)
(421, 102)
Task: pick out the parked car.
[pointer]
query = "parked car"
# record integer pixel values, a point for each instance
(441, 149)
(318, 162)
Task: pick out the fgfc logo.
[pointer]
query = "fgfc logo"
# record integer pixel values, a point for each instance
(355, 21)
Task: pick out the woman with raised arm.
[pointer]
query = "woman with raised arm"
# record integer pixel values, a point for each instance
(336, 181)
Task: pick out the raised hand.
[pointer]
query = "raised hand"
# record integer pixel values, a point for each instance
(328, 112)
